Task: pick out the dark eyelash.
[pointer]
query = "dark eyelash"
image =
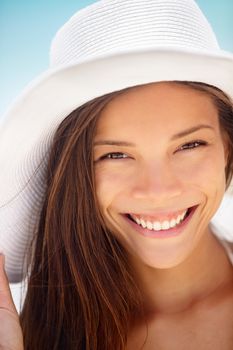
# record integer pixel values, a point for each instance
(193, 144)
(113, 155)
(185, 147)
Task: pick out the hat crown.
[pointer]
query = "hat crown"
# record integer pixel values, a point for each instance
(113, 26)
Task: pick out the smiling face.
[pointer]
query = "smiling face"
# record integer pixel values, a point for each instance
(159, 170)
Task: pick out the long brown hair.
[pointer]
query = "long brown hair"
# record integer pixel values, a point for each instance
(81, 292)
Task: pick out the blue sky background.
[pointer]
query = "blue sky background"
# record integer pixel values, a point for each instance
(27, 28)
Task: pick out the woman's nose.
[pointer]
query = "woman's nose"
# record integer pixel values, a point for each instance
(157, 181)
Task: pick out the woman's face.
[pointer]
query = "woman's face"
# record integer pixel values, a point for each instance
(160, 170)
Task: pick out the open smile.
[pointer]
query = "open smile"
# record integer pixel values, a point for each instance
(160, 228)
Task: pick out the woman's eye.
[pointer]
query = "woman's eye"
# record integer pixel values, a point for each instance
(114, 155)
(192, 145)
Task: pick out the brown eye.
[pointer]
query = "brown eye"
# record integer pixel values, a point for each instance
(192, 145)
(114, 155)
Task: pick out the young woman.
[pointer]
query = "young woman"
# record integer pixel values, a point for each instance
(123, 156)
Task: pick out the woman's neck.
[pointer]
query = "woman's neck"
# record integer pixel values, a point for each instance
(176, 289)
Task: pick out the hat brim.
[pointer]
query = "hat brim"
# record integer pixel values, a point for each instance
(27, 128)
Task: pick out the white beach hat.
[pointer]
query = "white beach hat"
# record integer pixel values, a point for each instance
(108, 46)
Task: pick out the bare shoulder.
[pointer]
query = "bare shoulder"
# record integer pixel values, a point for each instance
(200, 327)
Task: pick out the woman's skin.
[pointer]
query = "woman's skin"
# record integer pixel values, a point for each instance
(11, 337)
(143, 168)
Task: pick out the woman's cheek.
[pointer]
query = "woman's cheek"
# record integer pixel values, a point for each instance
(205, 171)
(112, 179)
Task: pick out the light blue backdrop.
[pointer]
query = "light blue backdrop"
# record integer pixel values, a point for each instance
(27, 27)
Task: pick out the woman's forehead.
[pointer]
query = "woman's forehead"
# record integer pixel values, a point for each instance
(167, 104)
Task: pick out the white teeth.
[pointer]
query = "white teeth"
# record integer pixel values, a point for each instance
(138, 221)
(178, 219)
(158, 226)
(142, 222)
(149, 225)
(173, 223)
(165, 225)
(183, 215)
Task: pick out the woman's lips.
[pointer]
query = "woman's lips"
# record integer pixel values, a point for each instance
(171, 232)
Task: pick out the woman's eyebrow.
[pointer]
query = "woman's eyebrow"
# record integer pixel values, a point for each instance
(114, 143)
(190, 131)
(174, 137)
